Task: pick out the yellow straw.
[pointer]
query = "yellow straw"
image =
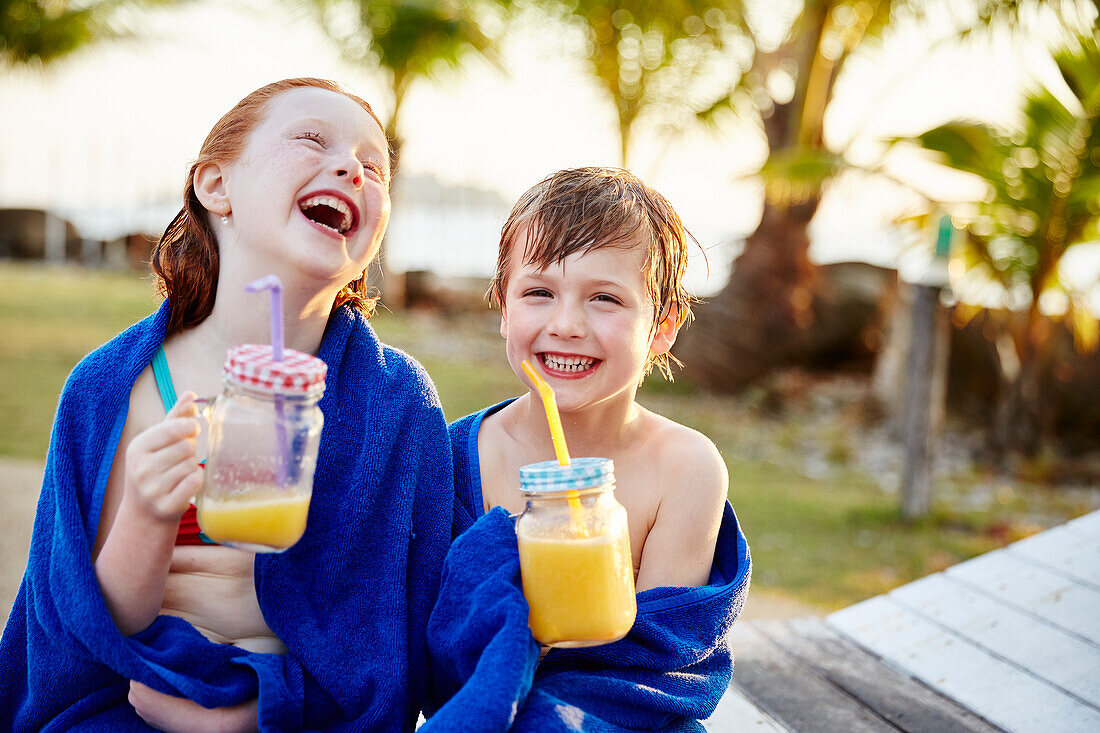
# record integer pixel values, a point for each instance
(557, 435)
(550, 405)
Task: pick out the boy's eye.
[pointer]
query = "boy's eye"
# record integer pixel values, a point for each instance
(537, 293)
(312, 136)
(605, 298)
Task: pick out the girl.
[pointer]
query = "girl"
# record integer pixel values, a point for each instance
(121, 599)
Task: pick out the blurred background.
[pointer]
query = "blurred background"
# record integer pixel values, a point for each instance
(896, 205)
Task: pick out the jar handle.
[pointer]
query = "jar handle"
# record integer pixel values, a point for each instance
(205, 404)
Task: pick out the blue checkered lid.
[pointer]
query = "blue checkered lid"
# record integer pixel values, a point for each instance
(551, 476)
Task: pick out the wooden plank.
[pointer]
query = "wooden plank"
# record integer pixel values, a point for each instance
(792, 693)
(1087, 525)
(1068, 551)
(1015, 580)
(898, 698)
(1065, 660)
(996, 690)
(735, 714)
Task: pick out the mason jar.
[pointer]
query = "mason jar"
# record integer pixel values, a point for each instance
(574, 553)
(264, 431)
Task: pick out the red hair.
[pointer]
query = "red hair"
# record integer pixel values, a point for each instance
(185, 260)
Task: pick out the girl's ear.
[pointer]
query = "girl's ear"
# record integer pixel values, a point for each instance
(664, 336)
(210, 188)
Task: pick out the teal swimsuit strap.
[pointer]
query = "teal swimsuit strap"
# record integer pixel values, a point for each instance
(168, 397)
(164, 379)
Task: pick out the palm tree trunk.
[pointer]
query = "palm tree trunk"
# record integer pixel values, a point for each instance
(1026, 400)
(762, 316)
(759, 318)
(1022, 413)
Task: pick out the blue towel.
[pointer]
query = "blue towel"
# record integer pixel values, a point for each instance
(483, 655)
(467, 466)
(351, 600)
(668, 673)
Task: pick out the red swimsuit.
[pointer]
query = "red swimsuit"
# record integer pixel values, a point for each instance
(189, 533)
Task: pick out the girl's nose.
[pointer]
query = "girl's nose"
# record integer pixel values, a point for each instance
(354, 170)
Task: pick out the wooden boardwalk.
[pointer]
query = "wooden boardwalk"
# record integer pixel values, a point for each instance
(1006, 641)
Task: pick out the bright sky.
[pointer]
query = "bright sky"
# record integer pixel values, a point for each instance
(116, 126)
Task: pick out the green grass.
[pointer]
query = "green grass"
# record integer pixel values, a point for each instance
(49, 319)
(829, 541)
(465, 357)
(833, 542)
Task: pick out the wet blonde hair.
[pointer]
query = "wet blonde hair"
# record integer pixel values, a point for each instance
(582, 209)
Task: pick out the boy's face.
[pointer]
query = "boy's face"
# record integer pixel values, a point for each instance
(585, 323)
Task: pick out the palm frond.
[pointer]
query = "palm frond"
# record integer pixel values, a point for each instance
(1079, 65)
(795, 175)
(1042, 178)
(971, 147)
(38, 33)
(738, 105)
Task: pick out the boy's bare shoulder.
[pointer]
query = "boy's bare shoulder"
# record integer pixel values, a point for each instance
(688, 461)
(691, 485)
(499, 458)
(495, 439)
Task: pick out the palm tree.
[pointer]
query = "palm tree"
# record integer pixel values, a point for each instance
(409, 40)
(764, 315)
(1042, 184)
(648, 55)
(38, 32)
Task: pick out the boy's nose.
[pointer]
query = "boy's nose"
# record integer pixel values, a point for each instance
(568, 322)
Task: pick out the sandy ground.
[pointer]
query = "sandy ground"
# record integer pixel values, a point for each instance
(20, 482)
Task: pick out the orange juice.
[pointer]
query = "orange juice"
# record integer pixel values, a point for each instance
(264, 524)
(581, 591)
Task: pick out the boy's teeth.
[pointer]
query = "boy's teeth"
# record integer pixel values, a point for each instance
(568, 363)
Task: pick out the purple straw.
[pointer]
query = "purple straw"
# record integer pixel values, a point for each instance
(273, 284)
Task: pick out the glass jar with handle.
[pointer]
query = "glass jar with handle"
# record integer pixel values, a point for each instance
(264, 434)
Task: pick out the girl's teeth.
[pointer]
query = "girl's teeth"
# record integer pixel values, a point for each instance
(333, 203)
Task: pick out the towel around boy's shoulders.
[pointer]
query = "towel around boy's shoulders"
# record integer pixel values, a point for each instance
(350, 600)
(668, 673)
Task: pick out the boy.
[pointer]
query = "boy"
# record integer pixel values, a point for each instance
(589, 283)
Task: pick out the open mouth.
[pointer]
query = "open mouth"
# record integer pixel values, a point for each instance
(571, 366)
(329, 212)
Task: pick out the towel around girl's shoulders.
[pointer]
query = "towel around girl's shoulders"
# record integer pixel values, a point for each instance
(350, 601)
(668, 673)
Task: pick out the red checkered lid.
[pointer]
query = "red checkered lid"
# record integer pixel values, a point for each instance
(251, 365)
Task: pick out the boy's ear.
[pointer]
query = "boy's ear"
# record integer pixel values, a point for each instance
(211, 189)
(664, 336)
(503, 323)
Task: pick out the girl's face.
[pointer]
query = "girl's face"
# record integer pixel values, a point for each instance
(585, 323)
(311, 189)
